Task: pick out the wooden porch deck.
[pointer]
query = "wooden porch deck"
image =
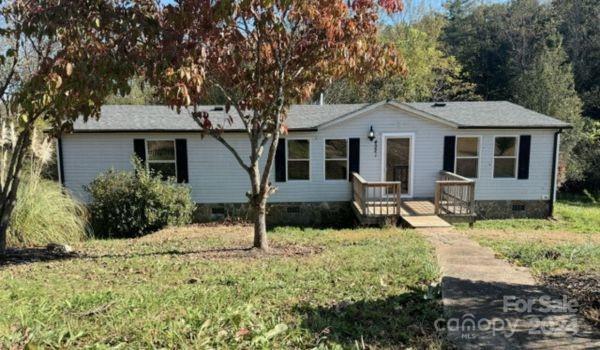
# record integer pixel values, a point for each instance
(420, 213)
(379, 203)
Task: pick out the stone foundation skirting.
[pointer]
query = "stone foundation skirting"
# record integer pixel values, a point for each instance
(308, 214)
(512, 209)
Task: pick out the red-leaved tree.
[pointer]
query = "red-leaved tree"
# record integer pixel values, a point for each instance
(59, 60)
(263, 55)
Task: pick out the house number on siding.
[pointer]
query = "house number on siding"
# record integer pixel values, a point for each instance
(375, 147)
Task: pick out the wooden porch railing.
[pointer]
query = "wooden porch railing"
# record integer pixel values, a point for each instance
(454, 195)
(376, 198)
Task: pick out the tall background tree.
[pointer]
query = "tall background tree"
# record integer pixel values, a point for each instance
(431, 73)
(59, 61)
(548, 87)
(263, 56)
(579, 24)
(523, 51)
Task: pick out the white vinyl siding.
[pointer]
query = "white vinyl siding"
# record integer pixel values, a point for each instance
(216, 177)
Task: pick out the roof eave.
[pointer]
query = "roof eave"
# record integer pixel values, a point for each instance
(121, 131)
(547, 127)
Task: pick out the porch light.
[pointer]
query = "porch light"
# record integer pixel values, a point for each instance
(371, 134)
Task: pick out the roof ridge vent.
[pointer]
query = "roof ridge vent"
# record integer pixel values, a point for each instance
(439, 104)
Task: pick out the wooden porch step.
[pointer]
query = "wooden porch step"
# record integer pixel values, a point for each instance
(425, 221)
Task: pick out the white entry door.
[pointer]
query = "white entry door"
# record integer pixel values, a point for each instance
(398, 160)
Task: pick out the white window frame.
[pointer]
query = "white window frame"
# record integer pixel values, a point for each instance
(325, 159)
(287, 160)
(478, 157)
(516, 157)
(148, 161)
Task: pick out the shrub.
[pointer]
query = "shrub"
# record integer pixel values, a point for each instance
(129, 204)
(45, 213)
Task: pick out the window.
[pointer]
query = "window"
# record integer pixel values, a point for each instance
(505, 157)
(298, 163)
(161, 157)
(467, 156)
(336, 159)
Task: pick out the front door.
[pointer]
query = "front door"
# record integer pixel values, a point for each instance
(397, 161)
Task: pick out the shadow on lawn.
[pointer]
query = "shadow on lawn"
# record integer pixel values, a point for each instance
(395, 322)
(20, 256)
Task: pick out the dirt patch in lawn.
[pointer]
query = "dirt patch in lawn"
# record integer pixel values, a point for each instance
(190, 242)
(231, 232)
(582, 287)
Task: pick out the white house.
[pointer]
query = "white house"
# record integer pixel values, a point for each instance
(509, 153)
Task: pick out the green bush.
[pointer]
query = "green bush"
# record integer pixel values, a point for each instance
(45, 213)
(130, 204)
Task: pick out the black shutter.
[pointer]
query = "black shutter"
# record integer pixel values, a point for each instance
(182, 160)
(524, 152)
(353, 157)
(280, 161)
(139, 147)
(449, 149)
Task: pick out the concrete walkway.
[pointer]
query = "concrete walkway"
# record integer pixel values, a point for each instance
(485, 302)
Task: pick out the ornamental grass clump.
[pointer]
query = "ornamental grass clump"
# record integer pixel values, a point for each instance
(134, 203)
(44, 211)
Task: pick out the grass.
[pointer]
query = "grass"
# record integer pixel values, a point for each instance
(545, 253)
(571, 243)
(196, 287)
(45, 213)
(571, 216)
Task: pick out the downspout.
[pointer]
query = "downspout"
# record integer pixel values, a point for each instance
(554, 172)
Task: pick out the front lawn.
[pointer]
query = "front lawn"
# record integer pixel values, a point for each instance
(571, 216)
(198, 287)
(563, 253)
(571, 242)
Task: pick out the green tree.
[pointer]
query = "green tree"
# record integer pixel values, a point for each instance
(139, 94)
(549, 88)
(431, 74)
(587, 158)
(580, 26)
(497, 43)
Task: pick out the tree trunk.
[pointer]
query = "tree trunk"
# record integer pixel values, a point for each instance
(260, 226)
(3, 232)
(8, 193)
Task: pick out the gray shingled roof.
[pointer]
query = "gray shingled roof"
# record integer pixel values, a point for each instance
(134, 117)
(488, 114)
(461, 114)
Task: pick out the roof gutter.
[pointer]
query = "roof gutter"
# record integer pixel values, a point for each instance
(516, 127)
(59, 159)
(176, 131)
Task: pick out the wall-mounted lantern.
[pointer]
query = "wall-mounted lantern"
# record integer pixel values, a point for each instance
(371, 135)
